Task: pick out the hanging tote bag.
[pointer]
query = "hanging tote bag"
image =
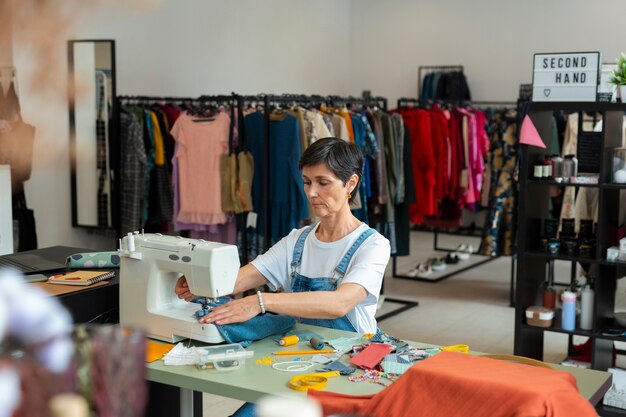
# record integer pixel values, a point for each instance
(16, 142)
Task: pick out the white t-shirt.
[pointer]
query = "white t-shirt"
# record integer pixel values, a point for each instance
(319, 260)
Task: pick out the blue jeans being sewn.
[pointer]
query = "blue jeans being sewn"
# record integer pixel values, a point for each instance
(256, 328)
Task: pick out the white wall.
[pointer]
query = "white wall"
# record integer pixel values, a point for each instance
(493, 39)
(192, 47)
(178, 48)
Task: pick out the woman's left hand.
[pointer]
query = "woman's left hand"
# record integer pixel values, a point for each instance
(235, 311)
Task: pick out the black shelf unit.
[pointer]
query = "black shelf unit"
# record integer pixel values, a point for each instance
(534, 196)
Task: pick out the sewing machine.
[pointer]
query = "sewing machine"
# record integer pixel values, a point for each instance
(150, 266)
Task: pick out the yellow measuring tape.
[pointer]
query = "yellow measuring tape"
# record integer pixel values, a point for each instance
(316, 381)
(455, 348)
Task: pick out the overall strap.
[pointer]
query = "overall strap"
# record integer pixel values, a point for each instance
(343, 265)
(297, 250)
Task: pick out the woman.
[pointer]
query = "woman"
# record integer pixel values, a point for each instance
(330, 273)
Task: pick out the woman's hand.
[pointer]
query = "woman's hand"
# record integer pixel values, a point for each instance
(182, 289)
(235, 311)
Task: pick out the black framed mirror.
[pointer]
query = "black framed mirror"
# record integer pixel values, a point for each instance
(93, 150)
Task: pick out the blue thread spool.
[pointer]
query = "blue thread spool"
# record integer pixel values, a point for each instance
(316, 343)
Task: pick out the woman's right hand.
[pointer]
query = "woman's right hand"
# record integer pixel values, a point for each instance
(182, 289)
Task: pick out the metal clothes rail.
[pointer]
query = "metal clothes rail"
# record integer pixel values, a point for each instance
(422, 70)
(409, 102)
(268, 101)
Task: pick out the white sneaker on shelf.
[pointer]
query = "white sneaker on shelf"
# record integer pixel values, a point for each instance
(437, 264)
(424, 270)
(464, 251)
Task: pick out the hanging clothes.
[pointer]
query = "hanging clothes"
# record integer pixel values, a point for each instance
(201, 144)
(133, 171)
(499, 233)
(449, 149)
(287, 200)
(445, 85)
(424, 164)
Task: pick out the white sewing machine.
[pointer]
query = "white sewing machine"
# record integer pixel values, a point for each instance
(150, 266)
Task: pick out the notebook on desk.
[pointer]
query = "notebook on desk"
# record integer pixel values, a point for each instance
(29, 263)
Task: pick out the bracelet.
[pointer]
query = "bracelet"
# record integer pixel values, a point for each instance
(258, 294)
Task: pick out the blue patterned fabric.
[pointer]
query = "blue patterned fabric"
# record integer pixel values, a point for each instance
(87, 260)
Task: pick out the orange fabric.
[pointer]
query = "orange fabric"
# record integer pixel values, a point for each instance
(348, 120)
(455, 384)
(156, 351)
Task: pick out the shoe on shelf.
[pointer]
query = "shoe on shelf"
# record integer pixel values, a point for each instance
(452, 258)
(464, 251)
(412, 272)
(438, 264)
(423, 270)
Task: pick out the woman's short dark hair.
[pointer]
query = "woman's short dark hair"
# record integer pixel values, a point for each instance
(343, 158)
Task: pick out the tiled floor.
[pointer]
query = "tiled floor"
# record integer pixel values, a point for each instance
(470, 308)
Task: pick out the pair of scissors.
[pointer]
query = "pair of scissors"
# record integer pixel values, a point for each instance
(455, 348)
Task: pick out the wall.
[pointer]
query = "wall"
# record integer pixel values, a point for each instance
(179, 48)
(494, 40)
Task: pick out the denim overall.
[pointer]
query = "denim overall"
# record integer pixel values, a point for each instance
(300, 283)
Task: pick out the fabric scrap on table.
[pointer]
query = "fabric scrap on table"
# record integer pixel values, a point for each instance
(344, 344)
(371, 356)
(338, 366)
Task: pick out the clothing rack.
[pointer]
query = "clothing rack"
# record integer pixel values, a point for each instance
(405, 102)
(268, 101)
(297, 99)
(424, 69)
(204, 99)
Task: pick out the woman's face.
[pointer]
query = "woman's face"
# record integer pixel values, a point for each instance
(325, 191)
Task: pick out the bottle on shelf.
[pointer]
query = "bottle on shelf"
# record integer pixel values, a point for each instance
(586, 306)
(557, 167)
(570, 168)
(547, 168)
(549, 294)
(568, 310)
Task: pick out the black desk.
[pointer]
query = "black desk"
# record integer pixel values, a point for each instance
(91, 304)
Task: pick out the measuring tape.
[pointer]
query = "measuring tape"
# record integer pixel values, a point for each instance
(316, 381)
(455, 348)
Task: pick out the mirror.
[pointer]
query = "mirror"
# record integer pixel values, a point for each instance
(91, 66)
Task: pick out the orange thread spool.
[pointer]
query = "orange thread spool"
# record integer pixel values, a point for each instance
(289, 340)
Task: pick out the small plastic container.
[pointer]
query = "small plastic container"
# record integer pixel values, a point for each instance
(223, 357)
(539, 316)
(568, 310)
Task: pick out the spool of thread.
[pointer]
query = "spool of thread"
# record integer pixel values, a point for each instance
(316, 343)
(131, 242)
(289, 340)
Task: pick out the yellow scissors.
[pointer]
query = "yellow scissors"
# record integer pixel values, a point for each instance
(455, 348)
